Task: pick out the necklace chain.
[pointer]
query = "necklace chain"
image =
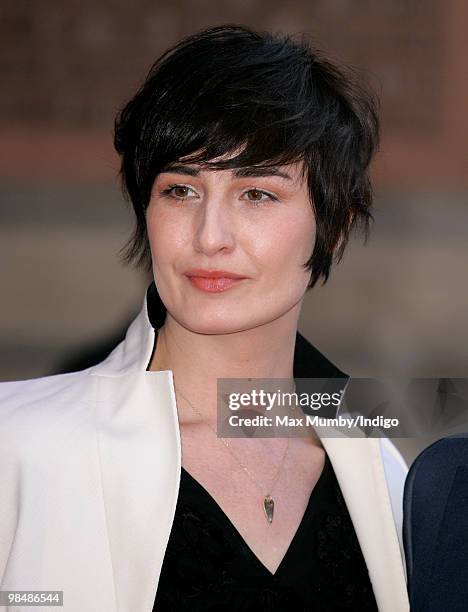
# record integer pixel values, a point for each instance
(228, 446)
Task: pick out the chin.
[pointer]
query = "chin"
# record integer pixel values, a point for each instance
(215, 327)
(224, 324)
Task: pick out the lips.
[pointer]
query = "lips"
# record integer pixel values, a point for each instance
(198, 272)
(213, 281)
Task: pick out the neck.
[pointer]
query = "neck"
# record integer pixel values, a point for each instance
(198, 360)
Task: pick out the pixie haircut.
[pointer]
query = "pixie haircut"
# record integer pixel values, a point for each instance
(278, 101)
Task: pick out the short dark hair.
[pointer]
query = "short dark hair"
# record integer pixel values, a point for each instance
(278, 101)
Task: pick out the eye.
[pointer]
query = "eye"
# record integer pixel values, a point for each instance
(258, 193)
(178, 192)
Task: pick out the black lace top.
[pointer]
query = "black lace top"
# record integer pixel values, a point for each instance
(208, 566)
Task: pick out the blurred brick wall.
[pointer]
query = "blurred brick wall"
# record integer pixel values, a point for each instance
(69, 67)
(71, 63)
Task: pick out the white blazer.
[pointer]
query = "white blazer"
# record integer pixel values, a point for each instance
(90, 465)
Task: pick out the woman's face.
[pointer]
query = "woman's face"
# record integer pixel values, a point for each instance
(259, 227)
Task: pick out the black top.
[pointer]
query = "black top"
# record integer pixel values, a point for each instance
(208, 565)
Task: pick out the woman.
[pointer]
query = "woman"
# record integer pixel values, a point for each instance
(245, 157)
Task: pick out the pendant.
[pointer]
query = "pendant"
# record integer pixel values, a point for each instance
(268, 506)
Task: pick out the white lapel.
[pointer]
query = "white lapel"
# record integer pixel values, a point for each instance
(140, 457)
(359, 469)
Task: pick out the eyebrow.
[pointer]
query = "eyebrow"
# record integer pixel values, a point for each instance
(255, 171)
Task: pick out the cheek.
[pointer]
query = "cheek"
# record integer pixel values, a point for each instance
(288, 243)
(302, 234)
(165, 233)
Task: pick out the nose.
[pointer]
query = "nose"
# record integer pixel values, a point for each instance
(214, 226)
